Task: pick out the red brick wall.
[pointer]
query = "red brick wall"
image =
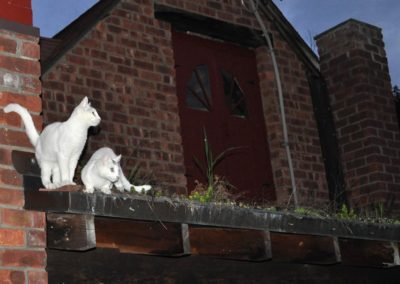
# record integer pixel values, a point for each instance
(125, 64)
(22, 233)
(353, 61)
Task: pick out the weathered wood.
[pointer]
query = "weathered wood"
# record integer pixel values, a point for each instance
(78, 188)
(230, 243)
(25, 163)
(186, 239)
(34, 199)
(177, 211)
(304, 248)
(110, 266)
(328, 140)
(140, 237)
(368, 253)
(70, 231)
(185, 21)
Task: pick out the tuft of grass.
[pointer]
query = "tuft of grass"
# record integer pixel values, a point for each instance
(346, 213)
(308, 212)
(219, 191)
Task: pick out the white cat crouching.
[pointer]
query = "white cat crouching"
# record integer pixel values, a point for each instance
(103, 171)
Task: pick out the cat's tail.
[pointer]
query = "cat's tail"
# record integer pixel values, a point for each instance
(31, 131)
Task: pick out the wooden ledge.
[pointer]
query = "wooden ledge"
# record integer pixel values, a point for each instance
(145, 208)
(140, 224)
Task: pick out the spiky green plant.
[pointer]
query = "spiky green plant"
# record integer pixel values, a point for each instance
(208, 170)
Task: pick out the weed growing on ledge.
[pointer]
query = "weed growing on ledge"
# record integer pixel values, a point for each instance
(219, 191)
(216, 188)
(346, 213)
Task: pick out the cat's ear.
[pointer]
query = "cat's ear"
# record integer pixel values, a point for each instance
(106, 160)
(84, 103)
(117, 159)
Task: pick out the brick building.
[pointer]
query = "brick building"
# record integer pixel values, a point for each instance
(132, 60)
(125, 63)
(158, 72)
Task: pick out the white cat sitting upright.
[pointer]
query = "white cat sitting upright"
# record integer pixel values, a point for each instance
(103, 171)
(59, 146)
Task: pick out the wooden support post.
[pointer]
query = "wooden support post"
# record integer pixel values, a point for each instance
(304, 248)
(369, 253)
(70, 231)
(230, 243)
(186, 239)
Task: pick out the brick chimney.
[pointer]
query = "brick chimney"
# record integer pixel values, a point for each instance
(354, 64)
(19, 11)
(22, 233)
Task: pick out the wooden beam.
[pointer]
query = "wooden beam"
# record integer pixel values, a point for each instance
(369, 253)
(230, 243)
(304, 248)
(110, 266)
(25, 163)
(139, 237)
(183, 21)
(70, 231)
(146, 208)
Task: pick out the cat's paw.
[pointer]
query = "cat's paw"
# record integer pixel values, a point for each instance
(119, 186)
(89, 190)
(106, 190)
(142, 188)
(66, 182)
(50, 186)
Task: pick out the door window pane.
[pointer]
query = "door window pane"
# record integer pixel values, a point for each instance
(198, 89)
(234, 95)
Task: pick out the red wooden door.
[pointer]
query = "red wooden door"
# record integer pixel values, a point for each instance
(218, 91)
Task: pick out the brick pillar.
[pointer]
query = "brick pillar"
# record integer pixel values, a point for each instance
(19, 11)
(354, 64)
(22, 233)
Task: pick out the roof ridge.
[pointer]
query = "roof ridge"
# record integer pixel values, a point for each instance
(76, 30)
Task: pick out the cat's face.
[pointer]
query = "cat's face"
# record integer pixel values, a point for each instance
(87, 113)
(109, 168)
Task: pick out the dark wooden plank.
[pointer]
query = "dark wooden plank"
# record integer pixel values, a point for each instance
(304, 248)
(369, 253)
(163, 209)
(186, 239)
(110, 266)
(184, 21)
(70, 231)
(329, 143)
(35, 200)
(77, 188)
(25, 163)
(230, 243)
(140, 237)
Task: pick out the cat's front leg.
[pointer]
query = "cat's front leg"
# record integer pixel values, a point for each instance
(142, 188)
(89, 189)
(64, 169)
(55, 176)
(73, 162)
(119, 186)
(45, 176)
(106, 189)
